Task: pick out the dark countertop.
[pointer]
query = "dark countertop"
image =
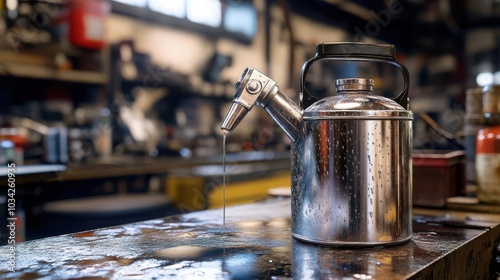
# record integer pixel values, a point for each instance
(256, 245)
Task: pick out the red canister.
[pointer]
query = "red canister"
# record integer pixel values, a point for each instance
(488, 164)
(84, 22)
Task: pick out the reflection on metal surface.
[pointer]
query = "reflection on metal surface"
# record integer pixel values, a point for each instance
(188, 252)
(249, 224)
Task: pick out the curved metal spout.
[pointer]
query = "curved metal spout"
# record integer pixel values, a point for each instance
(256, 88)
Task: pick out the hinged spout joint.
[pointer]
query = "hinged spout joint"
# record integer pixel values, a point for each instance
(256, 88)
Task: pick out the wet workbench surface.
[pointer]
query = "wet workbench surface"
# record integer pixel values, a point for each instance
(256, 245)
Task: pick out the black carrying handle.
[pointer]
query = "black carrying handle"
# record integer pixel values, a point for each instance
(355, 52)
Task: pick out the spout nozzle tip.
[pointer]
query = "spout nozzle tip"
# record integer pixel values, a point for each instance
(224, 131)
(236, 113)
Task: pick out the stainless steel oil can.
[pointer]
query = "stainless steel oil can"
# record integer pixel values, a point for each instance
(351, 153)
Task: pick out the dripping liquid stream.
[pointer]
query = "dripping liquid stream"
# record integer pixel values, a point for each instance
(224, 193)
(224, 182)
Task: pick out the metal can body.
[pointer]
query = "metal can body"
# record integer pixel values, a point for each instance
(352, 182)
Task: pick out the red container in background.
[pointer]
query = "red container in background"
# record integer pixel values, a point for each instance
(84, 23)
(437, 175)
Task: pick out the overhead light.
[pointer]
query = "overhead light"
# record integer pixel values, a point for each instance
(484, 79)
(207, 12)
(176, 8)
